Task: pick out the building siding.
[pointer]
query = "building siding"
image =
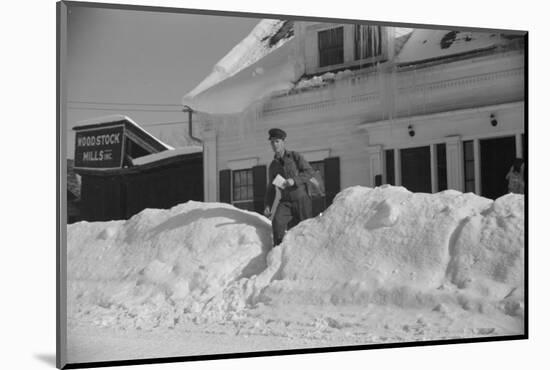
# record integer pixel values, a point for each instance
(358, 117)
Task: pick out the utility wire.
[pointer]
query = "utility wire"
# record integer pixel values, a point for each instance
(163, 123)
(124, 110)
(110, 103)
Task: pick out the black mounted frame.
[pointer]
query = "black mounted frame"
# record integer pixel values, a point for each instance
(378, 179)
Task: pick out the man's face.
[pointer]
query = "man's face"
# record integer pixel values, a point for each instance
(278, 145)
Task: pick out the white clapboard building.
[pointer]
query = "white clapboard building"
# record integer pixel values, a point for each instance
(427, 109)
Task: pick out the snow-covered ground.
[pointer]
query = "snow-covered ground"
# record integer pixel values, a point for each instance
(380, 265)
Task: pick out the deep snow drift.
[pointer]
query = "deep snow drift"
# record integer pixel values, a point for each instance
(374, 252)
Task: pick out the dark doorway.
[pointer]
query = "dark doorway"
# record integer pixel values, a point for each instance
(497, 156)
(416, 169)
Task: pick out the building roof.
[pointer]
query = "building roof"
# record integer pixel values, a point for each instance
(267, 36)
(258, 66)
(119, 118)
(155, 157)
(267, 62)
(426, 44)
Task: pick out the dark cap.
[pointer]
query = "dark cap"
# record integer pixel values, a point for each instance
(277, 133)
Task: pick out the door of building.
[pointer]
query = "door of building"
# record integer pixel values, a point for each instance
(496, 156)
(416, 169)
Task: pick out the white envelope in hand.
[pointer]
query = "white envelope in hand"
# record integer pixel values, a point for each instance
(278, 181)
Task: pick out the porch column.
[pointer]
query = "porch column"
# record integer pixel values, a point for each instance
(210, 168)
(375, 163)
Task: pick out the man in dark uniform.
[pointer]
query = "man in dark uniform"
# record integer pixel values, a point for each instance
(295, 203)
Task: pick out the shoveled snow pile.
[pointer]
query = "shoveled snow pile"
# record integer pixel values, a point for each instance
(387, 247)
(149, 270)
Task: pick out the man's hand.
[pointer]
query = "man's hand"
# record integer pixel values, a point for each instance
(289, 183)
(267, 212)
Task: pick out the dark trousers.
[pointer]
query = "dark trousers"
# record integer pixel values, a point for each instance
(288, 215)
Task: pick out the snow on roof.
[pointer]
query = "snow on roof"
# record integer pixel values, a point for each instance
(402, 35)
(259, 68)
(401, 31)
(276, 72)
(166, 154)
(117, 118)
(428, 44)
(267, 35)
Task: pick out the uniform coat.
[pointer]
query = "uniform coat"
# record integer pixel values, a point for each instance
(295, 203)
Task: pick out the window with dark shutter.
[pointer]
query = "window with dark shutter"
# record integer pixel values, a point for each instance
(332, 179)
(225, 186)
(331, 47)
(259, 179)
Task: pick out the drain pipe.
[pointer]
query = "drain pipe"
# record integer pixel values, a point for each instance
(190, 111)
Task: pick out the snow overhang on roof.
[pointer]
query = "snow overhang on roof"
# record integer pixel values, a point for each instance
(427, 44)
(116, 118)
(263, 63)
(151, 158)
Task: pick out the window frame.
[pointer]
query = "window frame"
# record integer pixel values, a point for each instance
(338, 48)
(395, 178)
(357, 50)
(248, 185)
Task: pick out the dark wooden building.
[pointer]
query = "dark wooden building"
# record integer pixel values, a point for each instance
(124, 170)
(73, 193)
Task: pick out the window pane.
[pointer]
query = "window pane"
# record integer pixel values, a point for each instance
(368, 41)
(331, 46)
(242, 193)
(469, 150)
(243, 185)
(319, 166)
(469, 171)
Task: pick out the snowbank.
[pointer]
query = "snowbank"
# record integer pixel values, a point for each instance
(389, 245)
(161, 263)
(384, 246)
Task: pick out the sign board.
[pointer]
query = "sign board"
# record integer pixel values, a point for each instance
(99, 148)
